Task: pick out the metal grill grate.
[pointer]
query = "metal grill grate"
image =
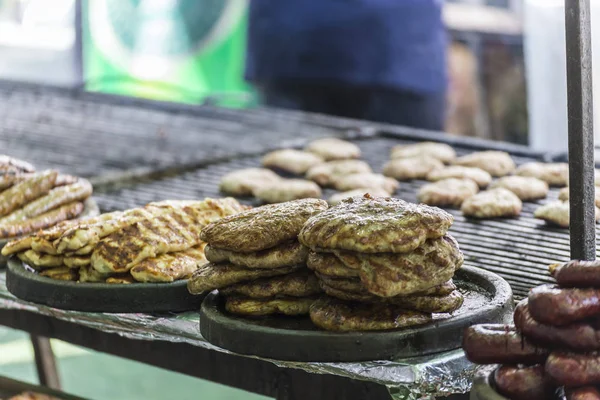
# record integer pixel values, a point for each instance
(92, 136)
(517, 249)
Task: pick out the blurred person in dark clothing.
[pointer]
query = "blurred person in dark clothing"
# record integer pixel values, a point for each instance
(381, 60)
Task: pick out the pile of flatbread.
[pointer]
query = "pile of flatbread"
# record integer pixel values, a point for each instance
(328, 162)
(484, 184)
(156, 243)
(31, 200)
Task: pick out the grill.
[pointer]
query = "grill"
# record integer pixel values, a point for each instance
(517, 249)
(96, 135)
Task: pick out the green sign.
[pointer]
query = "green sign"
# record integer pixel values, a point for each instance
(173, 50)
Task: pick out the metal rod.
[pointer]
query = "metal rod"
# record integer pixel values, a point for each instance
(581, 129)
(45, 362)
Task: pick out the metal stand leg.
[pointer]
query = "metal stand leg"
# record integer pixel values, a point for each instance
(45, 362)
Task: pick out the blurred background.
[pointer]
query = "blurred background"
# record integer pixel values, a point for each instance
(506, 67)
(193, 51)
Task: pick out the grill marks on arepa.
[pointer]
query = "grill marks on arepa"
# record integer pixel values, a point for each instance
(257, 263)
(383, 262)
(156, 243)
(375, 225)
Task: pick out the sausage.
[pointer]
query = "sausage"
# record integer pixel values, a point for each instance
(559, 307)
(582, 274)
(524, 383)
(68, 211)
(574, 370)
(580, 336)
(584, 393)
(26, 191)
(500, 344)
(57, 197)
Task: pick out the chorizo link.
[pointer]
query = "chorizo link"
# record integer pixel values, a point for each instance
(580, 336)
(527, 383)
(559, 307)
(574, 370)
(500, 344)
(577, 273)
(584, 393)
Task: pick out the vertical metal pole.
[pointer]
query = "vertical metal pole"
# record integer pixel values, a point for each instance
(78, 46)
(45, 362)
(581, 129)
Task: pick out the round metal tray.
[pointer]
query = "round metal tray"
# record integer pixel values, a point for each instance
(91, 210)
(488, 298)
(26, 284)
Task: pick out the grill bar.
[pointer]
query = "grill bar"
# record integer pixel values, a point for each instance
(91, 138)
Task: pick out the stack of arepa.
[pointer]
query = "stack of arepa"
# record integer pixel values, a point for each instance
(158, 243)
(384, 264)
(256, 261)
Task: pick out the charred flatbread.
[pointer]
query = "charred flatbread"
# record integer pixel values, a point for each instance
(393, 274)
(333, 149)
(440, 151)
(328, 264)
(375, 225)
(366, 180)
(477, 175)
(262, 227)
(337, 198)
(211, 276)
(557, 213)
(297, 284)
(28, 190)
(351, 285)
(426, 304)
(327, 173)
(287, 190)
(496, 163)
(282, 255)
(123, 279)
(411, 168)
(337, 315)
(527, 188)
(259, 307)
(293, 161)
(60, 273)
(170, 267)
(243, 182)
(447, 192)
(494, 203)
(42, 221)
(555, 174)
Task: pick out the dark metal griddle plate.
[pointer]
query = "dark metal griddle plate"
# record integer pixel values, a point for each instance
(25, 284)
(488, 298)
(517, 249)
(90, 210)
